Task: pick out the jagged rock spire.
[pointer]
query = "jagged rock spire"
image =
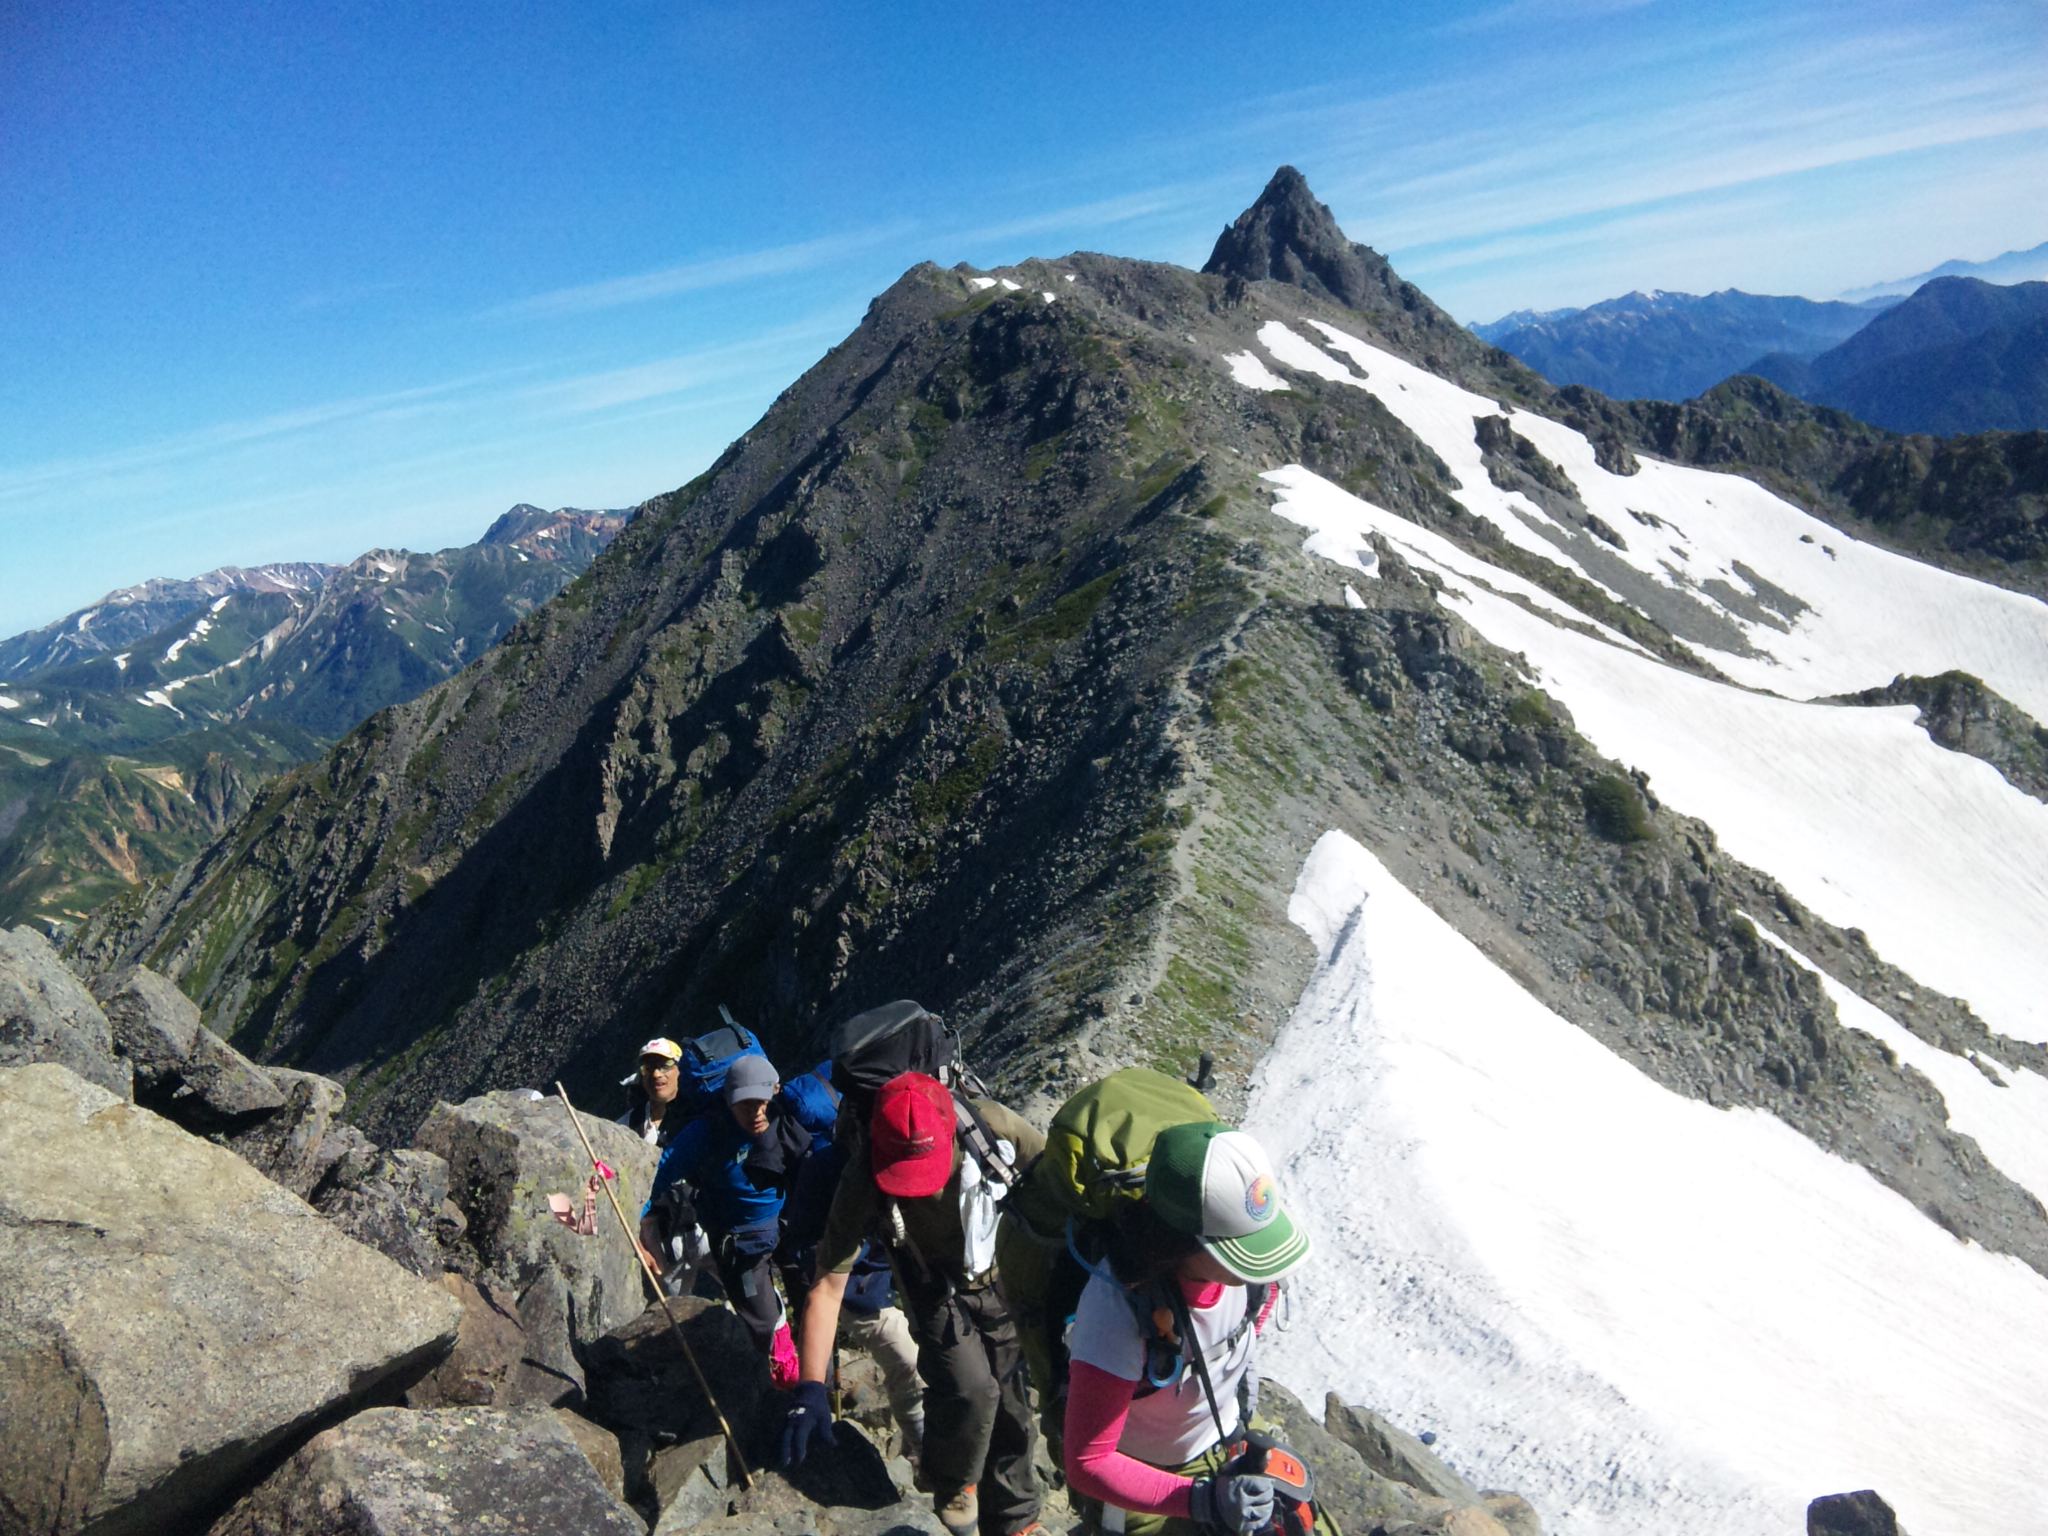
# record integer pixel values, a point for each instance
(1289, 237)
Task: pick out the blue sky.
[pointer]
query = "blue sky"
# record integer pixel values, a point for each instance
(292, 281)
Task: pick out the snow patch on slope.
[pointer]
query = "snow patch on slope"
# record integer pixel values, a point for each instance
(1643, 1312)
(199, 632)
(1855, 811)
(2008, 1119)
(1248, 369)
(1869, 614)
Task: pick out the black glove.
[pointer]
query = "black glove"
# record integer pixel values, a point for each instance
(810, 1417)
(1235, 1503)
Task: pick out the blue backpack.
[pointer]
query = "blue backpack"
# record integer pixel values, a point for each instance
(708, 1057)
(815, 1103)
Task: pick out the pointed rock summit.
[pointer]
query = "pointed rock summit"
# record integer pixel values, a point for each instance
(1289, 237)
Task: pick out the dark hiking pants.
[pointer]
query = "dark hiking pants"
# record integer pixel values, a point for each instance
(977, 1416)
(748, 1273)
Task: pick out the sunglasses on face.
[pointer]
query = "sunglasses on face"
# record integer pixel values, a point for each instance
(656, 1068)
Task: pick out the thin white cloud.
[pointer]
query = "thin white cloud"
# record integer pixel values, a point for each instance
(1099, 214)
(696, 276)
(230, 434)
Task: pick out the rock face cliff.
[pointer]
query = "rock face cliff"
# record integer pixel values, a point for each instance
(980, 671)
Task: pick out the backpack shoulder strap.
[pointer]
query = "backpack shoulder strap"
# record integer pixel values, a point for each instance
(981, 1143)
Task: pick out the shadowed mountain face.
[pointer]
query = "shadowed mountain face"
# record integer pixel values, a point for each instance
(1960, 355)
(980, 670)
(131, 732)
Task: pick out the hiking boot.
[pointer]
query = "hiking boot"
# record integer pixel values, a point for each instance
(959, 1511)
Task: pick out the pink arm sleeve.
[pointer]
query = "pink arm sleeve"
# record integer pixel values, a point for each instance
(1266, 1312)
(1097, 1405)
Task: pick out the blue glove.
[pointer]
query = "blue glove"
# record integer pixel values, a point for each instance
(1234, 1503)
(810, 1417)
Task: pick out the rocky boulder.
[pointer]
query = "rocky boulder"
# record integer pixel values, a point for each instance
(46, 1014)
(1393, 1452)
(1862, 1513)
(490, 1365)
(154, 1025)
(220, 1089)
(395, 1202)
(506, 1152)
(293, 1143)
(168, 1316)
(445, 1472)
(845, 1491)
(642, 1386)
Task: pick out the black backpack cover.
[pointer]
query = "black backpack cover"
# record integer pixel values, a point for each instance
(872, 1047)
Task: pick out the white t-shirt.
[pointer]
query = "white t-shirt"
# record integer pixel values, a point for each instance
(1171, 1425)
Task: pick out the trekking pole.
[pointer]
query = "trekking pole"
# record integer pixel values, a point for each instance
(732, 1441)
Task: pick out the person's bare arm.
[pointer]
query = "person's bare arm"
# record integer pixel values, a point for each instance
(820, 1326)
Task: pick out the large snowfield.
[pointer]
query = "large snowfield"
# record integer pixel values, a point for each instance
(1647, 1314)
(1643, 1313)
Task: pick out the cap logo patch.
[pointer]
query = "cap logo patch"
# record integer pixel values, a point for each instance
(1260, 1199)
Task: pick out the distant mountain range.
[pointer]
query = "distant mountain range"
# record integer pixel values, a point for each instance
(1669, 346)
(1960, 355)
(2013, 267)
(130, 731)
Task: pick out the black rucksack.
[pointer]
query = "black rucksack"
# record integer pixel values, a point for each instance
(872, 1047)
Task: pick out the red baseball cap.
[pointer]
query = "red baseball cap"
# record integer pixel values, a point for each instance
(910, 1137)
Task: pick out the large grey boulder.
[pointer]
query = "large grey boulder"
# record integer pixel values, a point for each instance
(641, 1384)
(440, 1472)
(506, 1152)
(1393, 1452)
(46, 1014)
(293, 1143)
(1358, 1497)
(394, 1201)
(846, 1491)
(168, 1316)
(154, 1024)
(490, 1366)
(221, 1089)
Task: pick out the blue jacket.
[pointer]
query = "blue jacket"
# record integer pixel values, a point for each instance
(739, 1179)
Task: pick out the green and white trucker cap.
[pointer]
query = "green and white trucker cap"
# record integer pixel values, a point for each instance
(1218, 1184)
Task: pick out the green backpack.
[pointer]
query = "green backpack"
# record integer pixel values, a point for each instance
(1099, 1144)
(1094, 1160)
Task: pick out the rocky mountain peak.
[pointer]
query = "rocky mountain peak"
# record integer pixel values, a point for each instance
(1288, 236)
(529, 526)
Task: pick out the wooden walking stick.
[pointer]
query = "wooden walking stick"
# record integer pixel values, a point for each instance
(732, 1441)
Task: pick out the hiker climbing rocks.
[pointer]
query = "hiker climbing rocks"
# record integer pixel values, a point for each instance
(651, 1093)
(654, 1112)
(869, 1319)
(925, 1182)
(738, 1165)
(1158, 1427)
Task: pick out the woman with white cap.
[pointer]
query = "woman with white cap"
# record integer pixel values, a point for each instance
(1163, 1341)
